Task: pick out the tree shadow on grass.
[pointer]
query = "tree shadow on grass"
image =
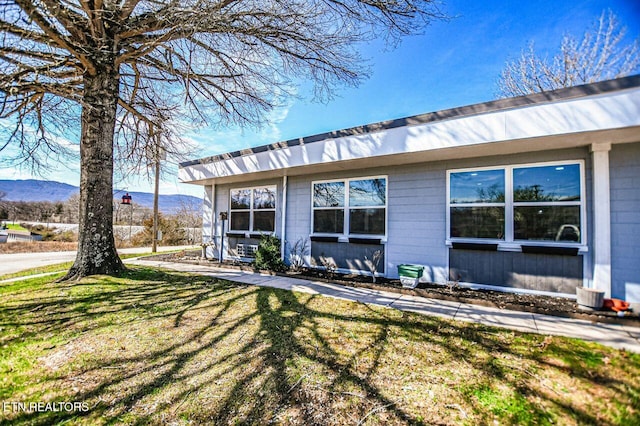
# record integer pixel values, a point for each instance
(169, 347)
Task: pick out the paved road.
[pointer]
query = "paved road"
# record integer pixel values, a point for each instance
(10, 263)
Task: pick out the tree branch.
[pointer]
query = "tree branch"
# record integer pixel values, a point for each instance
(59, 39)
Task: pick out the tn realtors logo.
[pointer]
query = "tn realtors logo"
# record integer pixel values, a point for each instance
(43, 407)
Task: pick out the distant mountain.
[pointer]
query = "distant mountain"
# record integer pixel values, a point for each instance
(44, 190)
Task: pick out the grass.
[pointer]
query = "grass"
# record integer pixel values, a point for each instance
(37, 247)
(57, 267)
(154, 347)
(15, 227)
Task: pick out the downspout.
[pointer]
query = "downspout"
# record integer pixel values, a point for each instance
(284, 218)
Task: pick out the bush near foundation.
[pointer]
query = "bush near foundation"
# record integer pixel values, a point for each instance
(268, 254)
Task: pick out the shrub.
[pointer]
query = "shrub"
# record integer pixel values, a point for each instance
(268, 254)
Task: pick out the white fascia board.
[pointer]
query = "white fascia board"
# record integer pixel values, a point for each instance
(599, 112)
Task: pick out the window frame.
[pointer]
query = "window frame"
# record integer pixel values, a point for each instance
(346, 207)
(509, 242)
(251, 210)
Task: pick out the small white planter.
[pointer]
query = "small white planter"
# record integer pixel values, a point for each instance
(589, 299)
(409, 282)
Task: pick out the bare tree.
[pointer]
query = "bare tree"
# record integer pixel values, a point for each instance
(126, 67)
(602, 54)
(189, 217)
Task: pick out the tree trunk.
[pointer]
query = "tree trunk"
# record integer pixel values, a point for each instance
(96, 245)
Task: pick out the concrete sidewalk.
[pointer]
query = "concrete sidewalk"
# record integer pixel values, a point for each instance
(614, 335)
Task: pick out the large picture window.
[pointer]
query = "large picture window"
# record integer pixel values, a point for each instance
(540, 202)
(353, 206)
(253, 209)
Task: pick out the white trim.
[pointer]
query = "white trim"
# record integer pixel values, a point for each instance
(283, 225)
(213, 214)
(525, 128)
(509, 243)
(345, 234)
(214, 223)
(601, 218)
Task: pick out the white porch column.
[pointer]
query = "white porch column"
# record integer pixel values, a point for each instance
(601, 218)
(209, 217)
(283, 232)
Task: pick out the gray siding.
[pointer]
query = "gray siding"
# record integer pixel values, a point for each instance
(347, 256)
(540, 272)
(624, 164)
(222, 205)
(416, 215)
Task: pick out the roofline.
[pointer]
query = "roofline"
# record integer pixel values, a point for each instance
(430, 117)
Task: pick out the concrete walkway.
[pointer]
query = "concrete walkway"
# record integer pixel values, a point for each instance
(614, 335)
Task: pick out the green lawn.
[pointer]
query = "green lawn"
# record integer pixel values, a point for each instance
(156, 347)
(15, 227)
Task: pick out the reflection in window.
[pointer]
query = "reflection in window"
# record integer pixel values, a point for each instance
(328, 221)
(240, 198)
(368, 192)
(264, 221)
(545, 203)
(547, 223)
(365, 204)
(477, 222)
(253, 209)
(547, 183)
(264, 198)
(239, 221)
(483, 186)
(328, 194)
(366, 221)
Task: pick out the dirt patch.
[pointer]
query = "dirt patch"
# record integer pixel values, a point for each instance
(546, 305)
(37, 247)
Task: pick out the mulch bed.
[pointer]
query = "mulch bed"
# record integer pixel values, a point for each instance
(546, 305)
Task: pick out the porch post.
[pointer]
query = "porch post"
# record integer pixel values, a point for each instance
(601, 218)
(283, 231)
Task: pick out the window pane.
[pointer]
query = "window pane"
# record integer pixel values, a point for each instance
(366, 221)
(264, 221)
(485, 186)
(264, 198)
(331, 221)
(240, 198)
(477, 222)
(547, 183)
(367, 192)
(550, 223)
(239, 221)
(328, 194)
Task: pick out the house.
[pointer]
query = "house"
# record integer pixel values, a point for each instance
(536, 194)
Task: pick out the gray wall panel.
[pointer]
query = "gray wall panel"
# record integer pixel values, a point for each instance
(541, 272)
(624, 162)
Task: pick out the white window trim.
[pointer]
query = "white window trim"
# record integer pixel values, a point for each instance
(345, 235)
(509, 243)
(251, 209)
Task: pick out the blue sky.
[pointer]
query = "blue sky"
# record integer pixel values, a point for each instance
(452, 64)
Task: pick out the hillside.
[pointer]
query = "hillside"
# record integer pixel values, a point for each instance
(42, 190)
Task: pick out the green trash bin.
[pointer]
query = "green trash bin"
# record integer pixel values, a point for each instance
(410, 275)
